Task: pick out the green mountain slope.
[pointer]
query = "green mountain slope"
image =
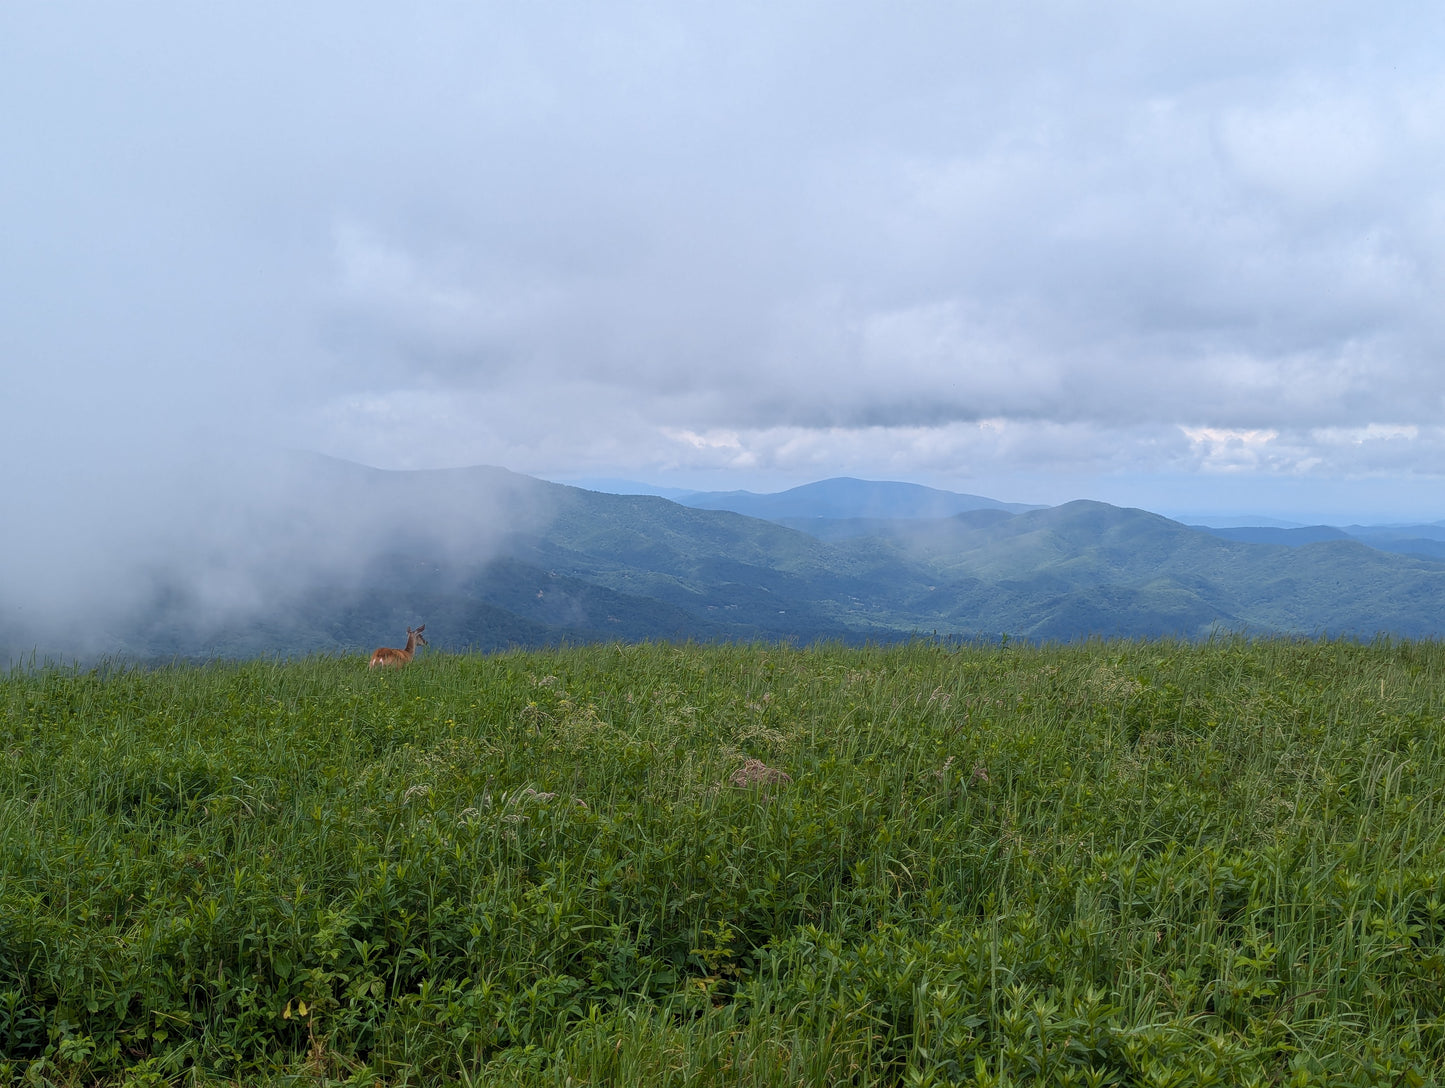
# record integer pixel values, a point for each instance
(491, 559)
(1089, 568)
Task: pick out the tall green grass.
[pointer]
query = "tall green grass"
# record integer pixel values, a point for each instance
(1136, 863)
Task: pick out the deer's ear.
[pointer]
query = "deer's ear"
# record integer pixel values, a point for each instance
(420, 629)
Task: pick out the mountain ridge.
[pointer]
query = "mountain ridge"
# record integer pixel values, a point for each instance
(847, 496)
(492, 559)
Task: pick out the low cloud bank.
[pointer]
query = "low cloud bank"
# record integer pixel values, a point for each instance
(222, 540)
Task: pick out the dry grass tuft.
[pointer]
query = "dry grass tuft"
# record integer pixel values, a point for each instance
(754, 772)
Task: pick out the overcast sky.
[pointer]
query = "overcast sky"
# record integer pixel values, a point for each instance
(1187, 256)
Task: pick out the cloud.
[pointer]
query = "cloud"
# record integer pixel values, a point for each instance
(1210, 244)
(1314, 152)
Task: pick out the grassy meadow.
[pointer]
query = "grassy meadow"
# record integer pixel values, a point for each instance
(1106, 863)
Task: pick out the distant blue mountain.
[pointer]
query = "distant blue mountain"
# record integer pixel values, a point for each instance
(1268, 534)
(1435, 530)
(847, 498)
(612, 486)
(1422, 540)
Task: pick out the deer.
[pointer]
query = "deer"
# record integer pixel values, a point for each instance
(384, 656)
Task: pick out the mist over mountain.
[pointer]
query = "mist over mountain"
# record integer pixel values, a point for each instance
(335, 557)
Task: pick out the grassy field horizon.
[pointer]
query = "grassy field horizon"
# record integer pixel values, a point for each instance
(1099, 863)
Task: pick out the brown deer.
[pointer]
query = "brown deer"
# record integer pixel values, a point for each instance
(386, 655)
